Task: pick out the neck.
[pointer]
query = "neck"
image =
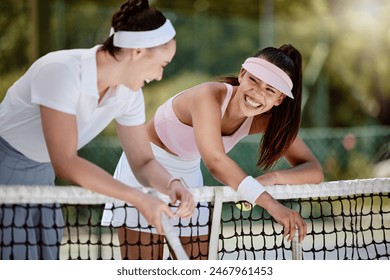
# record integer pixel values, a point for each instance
(233, 111)
(106, 72)
(233, 118)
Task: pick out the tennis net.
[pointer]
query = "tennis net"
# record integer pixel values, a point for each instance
(346, 220)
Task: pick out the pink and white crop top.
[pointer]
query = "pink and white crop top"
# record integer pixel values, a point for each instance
(179, 137)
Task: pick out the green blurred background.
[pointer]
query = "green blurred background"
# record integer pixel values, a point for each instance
(345, 47)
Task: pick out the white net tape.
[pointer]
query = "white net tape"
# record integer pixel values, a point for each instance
(78, 195)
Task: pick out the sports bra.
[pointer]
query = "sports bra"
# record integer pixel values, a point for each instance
(179, 137)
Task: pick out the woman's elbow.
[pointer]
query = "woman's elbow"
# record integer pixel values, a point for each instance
(60, 171)
(212, 168)
(63, 168)
(213, 164)
(318, 173)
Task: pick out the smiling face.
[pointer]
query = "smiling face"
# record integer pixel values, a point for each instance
(147, 65)
(255, 96)
(159, 58)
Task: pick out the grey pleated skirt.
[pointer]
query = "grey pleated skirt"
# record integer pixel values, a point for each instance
(28, 231)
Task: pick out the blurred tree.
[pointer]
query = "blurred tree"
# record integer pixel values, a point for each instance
(344, 44)
(40, 33)
(14, 36)
(353, 36)
(361, 46)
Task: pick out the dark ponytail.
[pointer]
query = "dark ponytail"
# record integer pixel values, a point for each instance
(133, 15)
(285, 119)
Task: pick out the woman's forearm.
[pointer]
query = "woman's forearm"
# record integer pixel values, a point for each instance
(305, 173)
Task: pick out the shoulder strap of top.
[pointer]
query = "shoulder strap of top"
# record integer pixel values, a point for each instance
(229, 94)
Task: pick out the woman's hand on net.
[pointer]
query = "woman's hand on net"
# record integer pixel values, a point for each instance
(180, 192)
(290, 220)
(152, 208)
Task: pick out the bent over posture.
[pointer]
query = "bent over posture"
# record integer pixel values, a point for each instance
(63, 101)
(205, 122)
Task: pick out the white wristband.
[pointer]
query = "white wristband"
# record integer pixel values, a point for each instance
(250, 189)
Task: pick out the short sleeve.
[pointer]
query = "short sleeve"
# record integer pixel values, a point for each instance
(56, 86)
(135, 113)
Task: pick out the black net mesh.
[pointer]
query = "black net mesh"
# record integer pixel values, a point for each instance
(343, 227)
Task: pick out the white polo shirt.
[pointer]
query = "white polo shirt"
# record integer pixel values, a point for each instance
(65, 81)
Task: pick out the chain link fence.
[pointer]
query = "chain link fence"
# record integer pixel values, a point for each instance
(344, 153)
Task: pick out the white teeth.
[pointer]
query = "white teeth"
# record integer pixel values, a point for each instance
(147, 81)
(251, 103)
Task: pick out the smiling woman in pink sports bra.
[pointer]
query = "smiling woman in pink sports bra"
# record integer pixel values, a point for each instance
(205, 122)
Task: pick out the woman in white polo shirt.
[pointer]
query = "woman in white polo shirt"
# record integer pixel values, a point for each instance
(61, 103)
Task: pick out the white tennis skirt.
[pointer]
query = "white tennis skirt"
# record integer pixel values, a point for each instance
(119, 214)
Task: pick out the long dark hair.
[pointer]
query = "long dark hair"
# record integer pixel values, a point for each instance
(285, 119)
(133, 15)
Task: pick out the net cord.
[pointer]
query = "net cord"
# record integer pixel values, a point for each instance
(296, 247)
(216, 224)
(78, 195)
(173, 239)
(170, 234)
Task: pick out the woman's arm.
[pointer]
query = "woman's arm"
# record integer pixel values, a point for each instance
(148, 171)
(206, 120)
(205, 110)
(60, 130)
(305, 167)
